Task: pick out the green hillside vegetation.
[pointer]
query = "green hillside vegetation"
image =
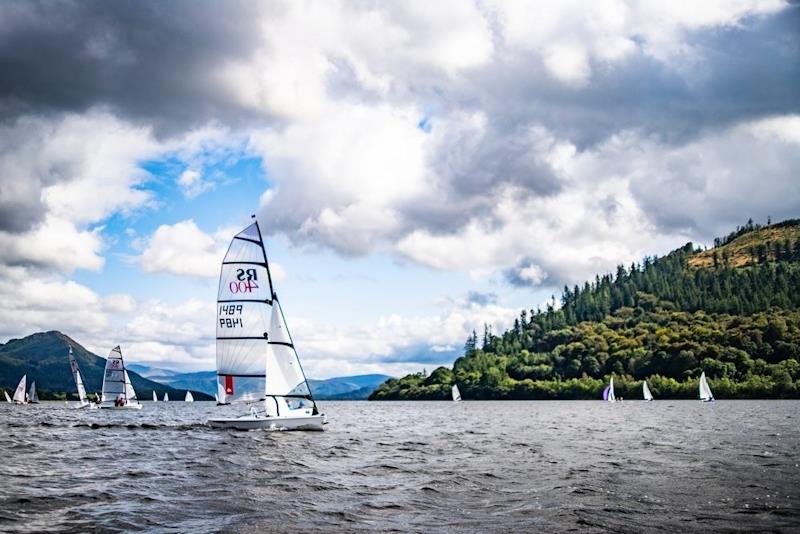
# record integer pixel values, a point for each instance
(43, 357)
(664, 320)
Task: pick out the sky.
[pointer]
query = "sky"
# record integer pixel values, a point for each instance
(418, 168)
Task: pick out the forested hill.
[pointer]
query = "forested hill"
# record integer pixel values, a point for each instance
(733, 311)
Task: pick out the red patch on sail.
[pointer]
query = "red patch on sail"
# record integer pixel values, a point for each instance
(229, 385)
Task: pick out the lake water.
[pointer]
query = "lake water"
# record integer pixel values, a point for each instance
(406, 466)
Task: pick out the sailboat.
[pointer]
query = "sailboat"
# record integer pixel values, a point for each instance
(166, 397)
(705, 391)
(155, 399)
(608, 392)
(189, 397)
(8, 399)
(646, 392)
(33, 397)
(76, 375)
(118, 393)
(19, 395)
(456, 393)
(256, 358)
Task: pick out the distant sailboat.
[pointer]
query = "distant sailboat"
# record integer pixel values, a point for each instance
(608, 392)
(189, 397)
(705, 391)
(166, 396)
(118, 393)
(646, 392)
(8, 399)
(155, 399)
(76, 376)
(256, 357)
(456, 393)
(33, 397)
(19, 395)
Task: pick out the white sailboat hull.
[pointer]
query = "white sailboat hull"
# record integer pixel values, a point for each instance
(125, 407)
(250, 422)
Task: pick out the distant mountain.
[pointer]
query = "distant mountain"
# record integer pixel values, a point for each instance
(340, 388)
(43, 357)
(356, 387)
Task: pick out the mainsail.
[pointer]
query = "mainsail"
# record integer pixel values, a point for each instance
(32, 395)
(166, 396)
(705, 391)
(19, 394)
(244, 314)
(456, 393)
(646, 392)
(608, 393)
(116, 382)
(76, 375)
(8, 399)
(189, 397)
(155, 399)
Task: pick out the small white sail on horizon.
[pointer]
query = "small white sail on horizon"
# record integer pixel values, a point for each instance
(33, 397)
(166, 396)
(456, 393)
(608, 394)
(155, 399)
(117, 390)
(646, 391)
(189, 397)
(8, 399)
(76, 376)
(705, 390)
(20, 397)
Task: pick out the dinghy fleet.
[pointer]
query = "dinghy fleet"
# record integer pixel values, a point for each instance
(258, 367)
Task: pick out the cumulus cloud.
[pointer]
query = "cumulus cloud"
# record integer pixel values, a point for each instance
(183, 249)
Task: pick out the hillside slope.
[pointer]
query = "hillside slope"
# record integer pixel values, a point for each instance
(43, 357)
(664, 320)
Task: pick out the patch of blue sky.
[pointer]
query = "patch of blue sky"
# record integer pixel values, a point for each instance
(236, 185)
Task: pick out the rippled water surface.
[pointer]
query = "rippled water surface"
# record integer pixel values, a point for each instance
(406, 466)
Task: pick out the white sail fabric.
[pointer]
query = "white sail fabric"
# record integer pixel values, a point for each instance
(456, 393)
(76, 375)
(166, 396)
(114, 376)
(8, 399)
(244, 307)
(705, 390)
(130, 394)
(189, 397)
(284, 374)
(611, 396)
(19, 394)
(32, 395)
(116, 382)
(646, 392)
(155, 399)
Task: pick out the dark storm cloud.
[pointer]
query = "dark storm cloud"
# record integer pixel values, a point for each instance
(152, 62)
